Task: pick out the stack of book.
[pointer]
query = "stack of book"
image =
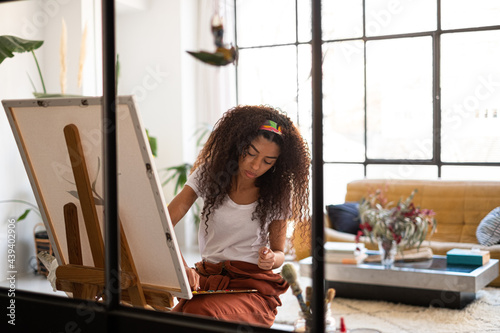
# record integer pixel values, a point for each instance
(345, 253)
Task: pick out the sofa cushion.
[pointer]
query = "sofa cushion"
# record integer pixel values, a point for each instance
(488, 231)
(344, 217)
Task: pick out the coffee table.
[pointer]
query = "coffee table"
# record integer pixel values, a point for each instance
(431, 282)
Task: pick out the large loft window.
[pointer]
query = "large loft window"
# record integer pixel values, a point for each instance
(411, 89)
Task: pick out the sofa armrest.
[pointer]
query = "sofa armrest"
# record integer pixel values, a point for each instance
(440, 248)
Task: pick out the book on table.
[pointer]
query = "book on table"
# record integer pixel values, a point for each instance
(343, 247)
(343, 259)
(345, 253)
(467, 257)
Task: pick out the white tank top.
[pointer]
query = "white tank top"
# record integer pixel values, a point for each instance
(231, 232)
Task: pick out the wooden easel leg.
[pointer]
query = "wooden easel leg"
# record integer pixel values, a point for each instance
(87, 204)
(127, 263)
(91, 220)
(90, 292)
(73, 243)
(85, 196)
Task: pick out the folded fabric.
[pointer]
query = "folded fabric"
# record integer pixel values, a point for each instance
(239, 275)
(257, 308)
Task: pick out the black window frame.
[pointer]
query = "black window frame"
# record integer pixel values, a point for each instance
(435, 35)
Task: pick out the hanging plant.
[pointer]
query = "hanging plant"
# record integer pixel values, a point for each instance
(224, 54)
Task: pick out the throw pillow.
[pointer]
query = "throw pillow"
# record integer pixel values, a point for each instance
(344, 217)
(488, 231)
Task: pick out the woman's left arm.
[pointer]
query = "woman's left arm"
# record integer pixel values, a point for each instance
(273, 257)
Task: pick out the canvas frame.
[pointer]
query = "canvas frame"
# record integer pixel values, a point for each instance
(37, 125)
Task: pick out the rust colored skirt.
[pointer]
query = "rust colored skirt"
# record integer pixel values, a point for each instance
(257, 308)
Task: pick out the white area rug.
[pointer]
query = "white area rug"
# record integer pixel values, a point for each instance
(482, 315)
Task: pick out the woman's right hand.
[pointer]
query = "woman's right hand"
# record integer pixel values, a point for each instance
(193, 278)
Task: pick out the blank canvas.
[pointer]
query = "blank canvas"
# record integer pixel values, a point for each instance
(38, 126)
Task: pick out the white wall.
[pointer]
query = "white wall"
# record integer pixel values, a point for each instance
(33, 20)
(149, 49)
(152, 37)
(151, 43)
(16, 18)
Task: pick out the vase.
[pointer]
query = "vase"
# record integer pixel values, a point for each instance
(388, 249)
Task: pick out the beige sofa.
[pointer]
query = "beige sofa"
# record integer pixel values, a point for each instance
(459, 206)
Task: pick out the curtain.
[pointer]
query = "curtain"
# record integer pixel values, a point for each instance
(215, 86)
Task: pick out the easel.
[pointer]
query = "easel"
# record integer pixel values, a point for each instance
(88, 282)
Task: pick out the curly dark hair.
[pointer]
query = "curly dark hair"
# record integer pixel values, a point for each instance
(283, 190)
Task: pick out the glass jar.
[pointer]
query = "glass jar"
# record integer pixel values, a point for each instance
(304, 321)
(329, 319)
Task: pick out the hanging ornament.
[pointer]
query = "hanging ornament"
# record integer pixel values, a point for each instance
(224, 54)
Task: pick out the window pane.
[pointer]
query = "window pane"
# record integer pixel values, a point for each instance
(336, 177)
(265, 22)
(470, 173)
(470, 91)
(343, 101)
(466, 14)
(268, 76)
(304, 117)
(304, 20)
(387, 17)
(399, 98)
(341, 19)
(401, 171)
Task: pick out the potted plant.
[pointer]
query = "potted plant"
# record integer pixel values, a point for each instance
(42, 242)
(392, 226)
(12, 44)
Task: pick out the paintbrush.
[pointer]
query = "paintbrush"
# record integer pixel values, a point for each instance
(330, 294)
(309, 295)
(290, 275)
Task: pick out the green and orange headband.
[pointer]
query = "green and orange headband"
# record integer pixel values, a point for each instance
(271, 126)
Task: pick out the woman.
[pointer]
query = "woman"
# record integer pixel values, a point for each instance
(253, 175)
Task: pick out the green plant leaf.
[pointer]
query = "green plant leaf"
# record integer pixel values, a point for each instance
(179, 173)
(27, 211)
(11, 44)
(152, 143)
(215, 59)
(181, 181)
(166, 181)
(24, 215)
